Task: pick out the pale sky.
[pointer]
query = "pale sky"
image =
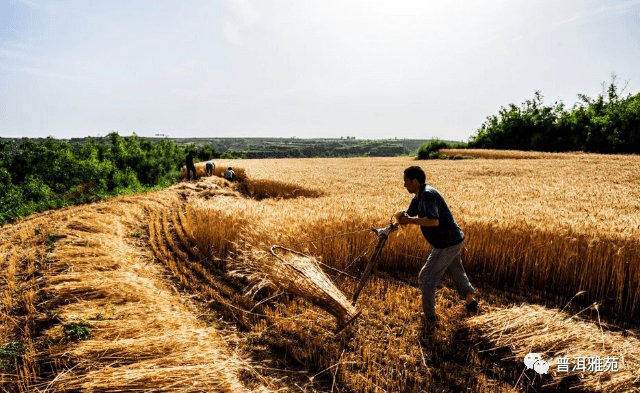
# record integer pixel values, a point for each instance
(282, 68)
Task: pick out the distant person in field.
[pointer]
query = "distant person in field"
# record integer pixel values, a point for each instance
(190, 166)
(211, 167)
(429, 210)
(229, 174)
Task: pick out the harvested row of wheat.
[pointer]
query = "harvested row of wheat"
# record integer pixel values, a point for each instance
(566, 344)
(223, 295)
(24, 259)
(102, 285)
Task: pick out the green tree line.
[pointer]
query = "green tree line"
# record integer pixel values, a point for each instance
(39, 176)
(601, 125)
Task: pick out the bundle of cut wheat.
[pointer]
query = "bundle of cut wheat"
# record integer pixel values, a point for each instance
(296, 273)
(557, 336)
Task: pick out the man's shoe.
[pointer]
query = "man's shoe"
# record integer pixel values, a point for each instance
(473, 306)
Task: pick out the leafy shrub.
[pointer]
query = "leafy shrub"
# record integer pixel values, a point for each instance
(33, 188)
(432, 146)
(206, 152)
(11, 197)
(125, 180)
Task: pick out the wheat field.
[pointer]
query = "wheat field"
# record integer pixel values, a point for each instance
(152, 276)
(565, 224)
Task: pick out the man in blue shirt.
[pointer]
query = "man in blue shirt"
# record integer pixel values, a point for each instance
(429, 210)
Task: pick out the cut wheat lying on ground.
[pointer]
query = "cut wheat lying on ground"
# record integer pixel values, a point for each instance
(86, 308)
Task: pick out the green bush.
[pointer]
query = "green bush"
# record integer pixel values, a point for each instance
(206, 152)
(34, 188)
(125, 180)
(11, 197)
(425, 151)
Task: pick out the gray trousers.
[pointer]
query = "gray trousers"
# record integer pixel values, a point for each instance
(440, 261)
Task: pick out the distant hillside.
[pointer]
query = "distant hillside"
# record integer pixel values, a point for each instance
(287, 147)
(298, 147)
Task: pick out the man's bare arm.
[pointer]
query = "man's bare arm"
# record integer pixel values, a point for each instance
(404, 219)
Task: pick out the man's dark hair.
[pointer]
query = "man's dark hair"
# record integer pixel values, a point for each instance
(415, 172)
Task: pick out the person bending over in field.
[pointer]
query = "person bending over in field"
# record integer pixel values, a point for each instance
(190, 166)
(429, 210)
(229, 174)
(210, 167)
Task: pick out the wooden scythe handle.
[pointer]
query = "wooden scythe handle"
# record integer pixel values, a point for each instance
(382, 234)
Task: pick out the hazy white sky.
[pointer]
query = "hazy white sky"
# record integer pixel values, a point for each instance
(329, 68)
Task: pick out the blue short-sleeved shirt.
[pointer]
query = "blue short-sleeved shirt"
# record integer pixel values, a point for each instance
(429, 203)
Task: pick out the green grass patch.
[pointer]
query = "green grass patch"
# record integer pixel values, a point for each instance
(78, 330)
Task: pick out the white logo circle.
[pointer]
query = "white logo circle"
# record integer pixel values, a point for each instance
(541, 367)
(531, 359)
